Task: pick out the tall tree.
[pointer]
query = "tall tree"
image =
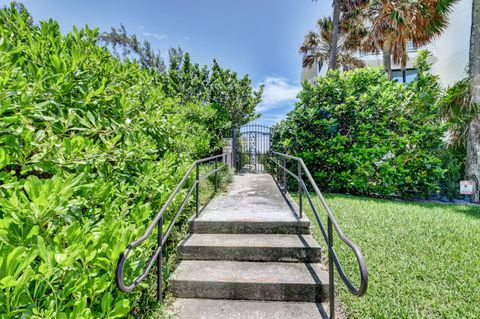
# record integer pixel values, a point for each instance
(233, 97)
(394, 23)
(129, 44)
(339, 7)
(332, 63)
(317, 46)
(473, 136)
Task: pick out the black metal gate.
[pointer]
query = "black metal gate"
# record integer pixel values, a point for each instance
(251, 144)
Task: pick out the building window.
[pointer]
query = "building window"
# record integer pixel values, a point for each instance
(404, 76)
(410, 47)
(410, 75)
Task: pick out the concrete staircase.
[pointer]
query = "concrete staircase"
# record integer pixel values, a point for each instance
(249, 256)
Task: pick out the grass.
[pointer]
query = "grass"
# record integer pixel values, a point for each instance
(423, 259)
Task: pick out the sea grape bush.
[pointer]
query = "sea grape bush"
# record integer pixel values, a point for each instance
(232, 96)
(90, 148)
(361, 133)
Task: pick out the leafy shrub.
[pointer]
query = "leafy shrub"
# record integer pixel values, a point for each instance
(453, 162)
(90, 148)
(358, 132)
(457, 111)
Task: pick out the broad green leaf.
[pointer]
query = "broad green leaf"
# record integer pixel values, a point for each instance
(8, 281)
(106, 302)
(4, 158)
(120, 309)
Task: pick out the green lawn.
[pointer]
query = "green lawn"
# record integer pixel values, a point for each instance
(423, 259)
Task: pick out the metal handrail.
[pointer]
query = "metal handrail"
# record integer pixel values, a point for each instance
(158, 222)
(327, 235)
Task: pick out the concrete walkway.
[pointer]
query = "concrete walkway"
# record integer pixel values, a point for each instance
(253, 201)
(249, 256)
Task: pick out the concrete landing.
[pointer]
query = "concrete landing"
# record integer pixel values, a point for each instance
(252, 204)
(252, 198)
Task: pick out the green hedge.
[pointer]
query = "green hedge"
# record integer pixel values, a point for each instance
(90, 148)
(358, 132)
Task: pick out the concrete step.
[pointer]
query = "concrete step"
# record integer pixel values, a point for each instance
(204, 226)
(242, 309)
(303, 282)
(251, 247)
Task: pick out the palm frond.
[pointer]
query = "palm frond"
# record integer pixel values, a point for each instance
(400, 21)
(317, 45)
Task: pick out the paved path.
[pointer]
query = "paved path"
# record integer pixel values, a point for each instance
(249, 255)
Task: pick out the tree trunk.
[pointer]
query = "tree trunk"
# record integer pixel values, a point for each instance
(332, 65)
(473, 135)
(387, 58)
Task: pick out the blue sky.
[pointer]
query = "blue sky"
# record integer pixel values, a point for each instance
(256, 37)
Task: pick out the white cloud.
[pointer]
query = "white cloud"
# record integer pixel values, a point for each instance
(277, 92)
(155, 35)
(271, 119)
(141, 27)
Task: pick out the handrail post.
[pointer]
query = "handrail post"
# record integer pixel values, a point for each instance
(331, 282)
(197, 189)
(299, 169)
(159, 260)
(284, 175)
(216, 175)
(277, 169)
(234, 148)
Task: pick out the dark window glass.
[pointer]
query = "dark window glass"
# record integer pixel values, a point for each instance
(405, 76)
(410, 75)
(397, 75)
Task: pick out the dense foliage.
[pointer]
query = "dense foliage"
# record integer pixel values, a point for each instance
(231, 95)
(90, 148)
(457, 111)
(361, 133)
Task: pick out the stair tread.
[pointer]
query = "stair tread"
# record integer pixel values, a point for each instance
(250, 272)
(247, 215)
(241, 309)
(241, 225)
(251, 240)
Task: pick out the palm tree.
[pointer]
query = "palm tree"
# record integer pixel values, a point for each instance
(332, 64)
(340, 6)
(473, 136)
(393, 23)
(317, 46)
(344, 6)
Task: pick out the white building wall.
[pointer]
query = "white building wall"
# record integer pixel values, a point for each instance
(309, 73)
(452, 48)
